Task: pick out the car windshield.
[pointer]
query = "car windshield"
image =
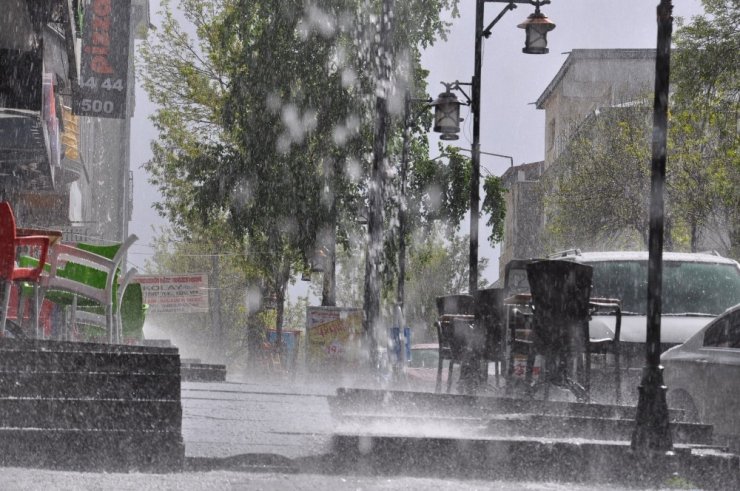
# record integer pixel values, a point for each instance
(424, 358)
(688, 287)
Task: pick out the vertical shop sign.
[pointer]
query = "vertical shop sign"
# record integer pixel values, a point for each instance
(104, 60)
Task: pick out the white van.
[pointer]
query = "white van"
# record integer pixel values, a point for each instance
(696, 288)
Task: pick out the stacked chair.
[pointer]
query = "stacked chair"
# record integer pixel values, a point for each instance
(456, 319)
(88, 283)
(10, 272)
(561, 292)
(86, 279)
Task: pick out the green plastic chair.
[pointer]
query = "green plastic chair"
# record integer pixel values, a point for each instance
(85, 277)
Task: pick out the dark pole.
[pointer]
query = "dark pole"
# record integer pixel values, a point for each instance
(475, 150)
(652, 432)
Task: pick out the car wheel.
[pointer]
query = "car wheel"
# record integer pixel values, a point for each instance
(680, 399)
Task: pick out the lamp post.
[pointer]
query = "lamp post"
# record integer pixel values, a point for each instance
(447, 106)
(652, 431)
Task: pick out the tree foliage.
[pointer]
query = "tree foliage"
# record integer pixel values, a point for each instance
(601, 183)
(265, 118)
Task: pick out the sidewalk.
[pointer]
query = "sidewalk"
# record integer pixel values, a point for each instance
(283, 435)
(290, 428)
(228, 419)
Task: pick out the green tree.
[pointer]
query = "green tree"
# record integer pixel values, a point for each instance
(438, 265)
(227, 329)
(265, 118)
(707, 96)
(597, 193)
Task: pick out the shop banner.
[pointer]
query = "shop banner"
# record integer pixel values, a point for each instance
(175, 294)
(334, 335)
(104, 60)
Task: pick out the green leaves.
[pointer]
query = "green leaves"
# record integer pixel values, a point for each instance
(494, 204)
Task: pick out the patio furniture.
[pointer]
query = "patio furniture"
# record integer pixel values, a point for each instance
(560, 305)
(10, 272)
(490, 318)
(456, 320)
(606, 345)
(88, 283)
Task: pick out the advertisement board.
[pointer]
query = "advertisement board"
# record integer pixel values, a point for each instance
(176, 294)
(333, 338)
(104, 60)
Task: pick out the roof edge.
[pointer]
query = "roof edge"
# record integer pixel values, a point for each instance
(590, 54)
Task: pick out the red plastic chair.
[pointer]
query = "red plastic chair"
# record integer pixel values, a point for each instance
(9, 272)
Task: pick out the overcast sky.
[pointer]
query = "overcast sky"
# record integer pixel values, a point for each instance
(511, 81)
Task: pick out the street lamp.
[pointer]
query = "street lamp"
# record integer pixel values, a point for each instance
(652, 429)
(536, 26)
(447, 113)
(447, 106)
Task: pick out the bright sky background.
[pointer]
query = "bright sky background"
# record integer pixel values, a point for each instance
(511, 81)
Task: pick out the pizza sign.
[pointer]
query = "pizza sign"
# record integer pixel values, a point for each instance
(104, 60)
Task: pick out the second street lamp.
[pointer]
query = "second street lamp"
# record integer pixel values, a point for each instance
(447, 114)
(447, 106)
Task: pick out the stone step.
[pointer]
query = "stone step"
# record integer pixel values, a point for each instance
(11, 344)
(519, 426)
(92, 450)
(533, 460)
(86, 385)
(84, 362)
(536, 425)
(202, 372)
(91, 414)
(90, 406)
(405, 402)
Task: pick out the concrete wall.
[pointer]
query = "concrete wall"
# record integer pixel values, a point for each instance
(522, 224)
(588, 80)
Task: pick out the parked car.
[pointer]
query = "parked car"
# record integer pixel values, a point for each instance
(703, 375)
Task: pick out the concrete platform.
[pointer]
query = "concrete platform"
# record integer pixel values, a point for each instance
(90, 406)
(560, 460)
(423, 434)
(195, 371)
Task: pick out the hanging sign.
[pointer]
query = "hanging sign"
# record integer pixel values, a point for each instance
(103, 84)
(175, 294)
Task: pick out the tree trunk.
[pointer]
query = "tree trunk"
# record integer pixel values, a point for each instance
(281, 286)
(329, 284)
(216, 309)
(694, 236)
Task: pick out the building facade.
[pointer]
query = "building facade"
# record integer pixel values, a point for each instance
(588, 80)
(62, 165)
